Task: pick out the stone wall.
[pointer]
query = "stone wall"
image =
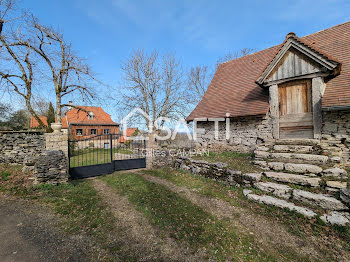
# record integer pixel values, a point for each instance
(163, 159)
(30, 149)
(248, 132)
(15, 147)
(335, 138)
(245, 134)
(51, 167)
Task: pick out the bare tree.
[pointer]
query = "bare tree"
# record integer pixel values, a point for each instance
(154, 84)
(40, 105)
(198, 80)
(234, 55)
(199, 77)
(29, 50)
(17, 67)
(8, 12)
(17, 73)
(69, 73)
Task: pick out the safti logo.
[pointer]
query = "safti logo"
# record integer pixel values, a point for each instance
(181, 126)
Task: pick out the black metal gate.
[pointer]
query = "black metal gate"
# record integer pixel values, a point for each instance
(104, 154)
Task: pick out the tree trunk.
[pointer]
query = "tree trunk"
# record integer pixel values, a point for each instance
(58, 109)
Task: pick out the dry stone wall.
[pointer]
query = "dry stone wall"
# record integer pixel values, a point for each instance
(44, 156)
(245, 134)
(216, 171)
(16, 147)
(51, 167)
(335, 138)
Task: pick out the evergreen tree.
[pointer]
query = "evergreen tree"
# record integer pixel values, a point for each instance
(50, 116)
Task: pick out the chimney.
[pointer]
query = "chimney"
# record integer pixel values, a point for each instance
(291, 34)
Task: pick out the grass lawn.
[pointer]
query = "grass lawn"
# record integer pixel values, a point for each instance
(235, 160)
(95, 156)
(185, 221)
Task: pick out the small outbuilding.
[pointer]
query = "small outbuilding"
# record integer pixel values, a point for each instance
(299, 89)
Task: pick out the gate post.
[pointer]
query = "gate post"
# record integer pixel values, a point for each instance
(150, 150)
(57, 141)
(111, 147)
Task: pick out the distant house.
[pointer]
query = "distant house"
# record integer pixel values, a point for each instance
(84, 122)
(129, 133)
(34, 124)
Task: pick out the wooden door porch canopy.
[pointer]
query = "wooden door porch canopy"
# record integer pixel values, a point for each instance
(295, 60)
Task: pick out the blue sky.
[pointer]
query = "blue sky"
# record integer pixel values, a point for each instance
(199, 31)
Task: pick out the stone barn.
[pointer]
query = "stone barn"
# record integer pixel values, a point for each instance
(297, 91)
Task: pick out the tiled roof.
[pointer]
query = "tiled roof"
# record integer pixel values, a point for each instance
(129, 132)
(80, 116)
(233, 88)
(35, 124)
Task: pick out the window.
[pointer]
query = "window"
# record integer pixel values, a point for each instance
(106, 145)
(93, 131)
(105, 131)
(79, 132)
(91, 115)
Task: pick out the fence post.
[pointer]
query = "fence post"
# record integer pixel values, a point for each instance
(111, 147)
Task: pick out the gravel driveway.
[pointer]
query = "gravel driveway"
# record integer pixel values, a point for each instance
(30, 232)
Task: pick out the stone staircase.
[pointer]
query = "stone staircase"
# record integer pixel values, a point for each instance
(299, 176)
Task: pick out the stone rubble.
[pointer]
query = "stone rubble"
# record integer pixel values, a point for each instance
(345, 196)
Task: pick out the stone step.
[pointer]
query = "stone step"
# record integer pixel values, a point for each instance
(278, 190)
(268, 200)
(318, 200)
(307, 169)
(335, 172)
(309, 158)
(293, 179)
(299, 142)
(293, 149)
(336, 218)
(302, 168)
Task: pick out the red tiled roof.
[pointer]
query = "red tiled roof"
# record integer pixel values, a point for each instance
(129, 132)
(35, 124)
(233, 88)
(80, 117)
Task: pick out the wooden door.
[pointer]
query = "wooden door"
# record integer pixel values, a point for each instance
(295, 105)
